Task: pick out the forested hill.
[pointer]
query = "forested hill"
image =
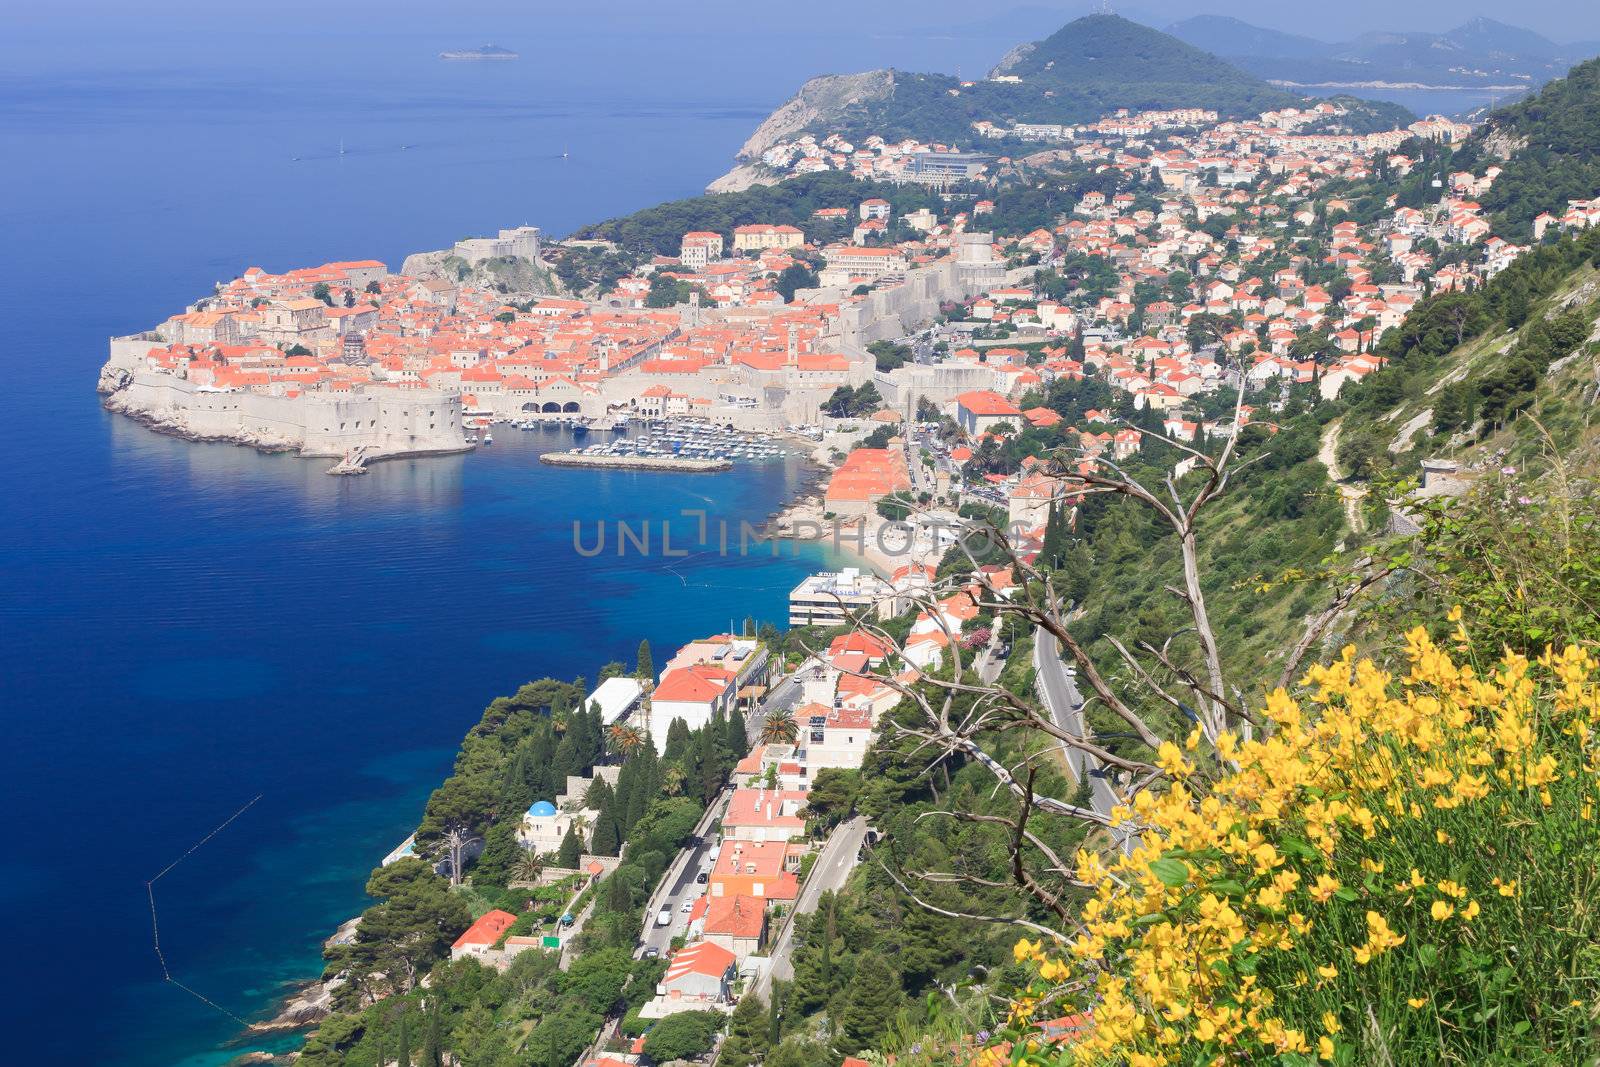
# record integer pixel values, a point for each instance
(1548, 147)
(1089, 67)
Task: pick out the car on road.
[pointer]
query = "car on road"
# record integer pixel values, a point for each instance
(652, 953)
(702, 878)
(688, 906)
(664, 917)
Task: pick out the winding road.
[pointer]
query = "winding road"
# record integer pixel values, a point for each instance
(1059, 690)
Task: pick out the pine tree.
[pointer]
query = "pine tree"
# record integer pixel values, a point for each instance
(872, 998)
(747, 1034)
(571, 849)
(646, 668)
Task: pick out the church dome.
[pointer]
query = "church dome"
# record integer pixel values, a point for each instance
(542, 809)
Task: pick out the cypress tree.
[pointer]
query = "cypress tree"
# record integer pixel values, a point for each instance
(737, 741)
(677, 740)
(432, 1053)
(600, 795)
(597, 734)
(622, 800)
(618, 899)
(646, 667)
(603, 839)
(404, 1059)
(564, 764)
(571, 849)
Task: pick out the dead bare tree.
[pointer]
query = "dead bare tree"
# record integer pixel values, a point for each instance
(953, 712)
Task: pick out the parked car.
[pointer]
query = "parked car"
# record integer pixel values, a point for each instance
(702, 878)
(652, 953)
(664, 917)
(688, 906)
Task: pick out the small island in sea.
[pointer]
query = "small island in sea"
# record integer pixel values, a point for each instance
(488, 51)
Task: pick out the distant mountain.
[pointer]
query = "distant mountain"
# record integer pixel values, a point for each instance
(1226, 36)
(1478, 53)
(1486, 37)
(1084, 70)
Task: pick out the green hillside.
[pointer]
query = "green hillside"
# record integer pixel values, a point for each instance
(1086, 69)
(1519, 385)
(1554, 143)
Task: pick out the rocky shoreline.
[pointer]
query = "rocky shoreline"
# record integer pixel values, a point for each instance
(171, 427)
(311, 1001)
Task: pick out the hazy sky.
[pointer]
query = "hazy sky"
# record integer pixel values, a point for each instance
(1561, 20)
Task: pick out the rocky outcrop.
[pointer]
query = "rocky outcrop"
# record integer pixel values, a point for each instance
(1502, 144)
(1013, 58)
(511, 275)
(172, 422)
(313, 1001)
(113, 379)
(742, 177)
(819, 100)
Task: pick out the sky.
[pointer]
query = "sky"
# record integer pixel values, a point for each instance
(1560, 20)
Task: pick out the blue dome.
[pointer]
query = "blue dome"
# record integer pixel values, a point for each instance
(542, 809)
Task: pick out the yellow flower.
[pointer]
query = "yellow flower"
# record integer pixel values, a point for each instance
(1417, 1002)
(1470, 912)
(1506, 889)
(1325, 1048)
(1330, 1022)
(1441, 911)
(1325, 888)
(1328, 970)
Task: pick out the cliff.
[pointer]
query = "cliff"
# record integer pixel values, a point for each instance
(819, 101)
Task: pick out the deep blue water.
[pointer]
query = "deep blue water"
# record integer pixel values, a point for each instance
(184, 627)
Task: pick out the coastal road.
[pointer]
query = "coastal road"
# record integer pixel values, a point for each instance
(678, 885)
(833, 867)
(1059, 690)
(782, 697)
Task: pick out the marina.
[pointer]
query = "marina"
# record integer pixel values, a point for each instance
(682, 439)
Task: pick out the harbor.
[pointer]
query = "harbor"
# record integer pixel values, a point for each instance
(680, 464)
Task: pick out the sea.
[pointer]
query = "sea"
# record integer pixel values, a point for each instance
(228, 681)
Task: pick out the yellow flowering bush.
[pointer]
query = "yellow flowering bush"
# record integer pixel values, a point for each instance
(1392, 871)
